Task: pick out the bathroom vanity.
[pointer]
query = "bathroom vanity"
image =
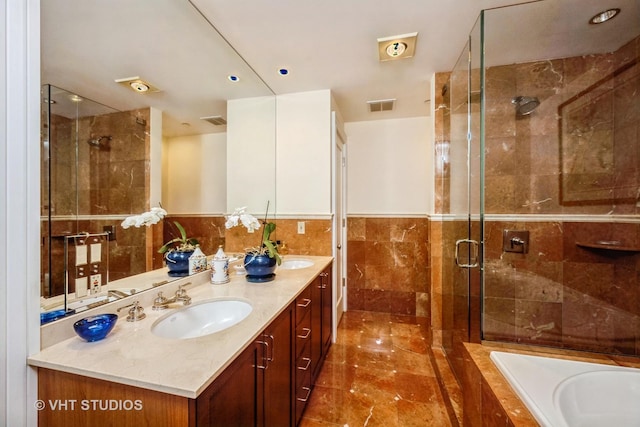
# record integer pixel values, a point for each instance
(259, 372)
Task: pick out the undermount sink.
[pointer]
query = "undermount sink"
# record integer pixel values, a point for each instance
(295, 264)
(203, 318)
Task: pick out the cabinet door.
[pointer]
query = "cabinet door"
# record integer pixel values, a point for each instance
(232, 399)
(278, 372)
(327, 309)
(316, 326)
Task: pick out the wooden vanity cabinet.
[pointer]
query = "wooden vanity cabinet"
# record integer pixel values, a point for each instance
(313, 336)
(278, 371)
(233, 398)
(256, 389)
(267, 385)
(321, 312)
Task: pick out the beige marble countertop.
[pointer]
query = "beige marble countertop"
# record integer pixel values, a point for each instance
(132, 355)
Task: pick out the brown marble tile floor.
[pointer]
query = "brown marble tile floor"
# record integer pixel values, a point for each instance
(378, 373)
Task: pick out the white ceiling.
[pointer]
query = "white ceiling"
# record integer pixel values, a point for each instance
(328, 44)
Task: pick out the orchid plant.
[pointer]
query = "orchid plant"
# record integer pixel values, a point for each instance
(251, 223)
(154, 216)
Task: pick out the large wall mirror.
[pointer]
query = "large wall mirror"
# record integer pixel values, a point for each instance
(134, 94)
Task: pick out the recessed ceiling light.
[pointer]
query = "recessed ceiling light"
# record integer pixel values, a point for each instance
(604, 16)
(75, 98)
(138, 85)
(233, 78)
(397, 47)
(283, 71)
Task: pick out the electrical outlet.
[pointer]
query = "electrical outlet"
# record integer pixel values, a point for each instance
(300, 227)
(95, 283)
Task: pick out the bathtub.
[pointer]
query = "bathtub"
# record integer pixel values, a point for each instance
(567, 393)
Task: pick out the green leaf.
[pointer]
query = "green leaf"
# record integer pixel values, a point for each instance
(183, 233)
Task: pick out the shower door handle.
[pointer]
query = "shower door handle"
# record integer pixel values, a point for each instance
(473, 255)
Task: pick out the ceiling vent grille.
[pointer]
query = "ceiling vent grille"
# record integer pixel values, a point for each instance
(381, 105)
(215, 120)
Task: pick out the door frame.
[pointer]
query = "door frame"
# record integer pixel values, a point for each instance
(339, 221)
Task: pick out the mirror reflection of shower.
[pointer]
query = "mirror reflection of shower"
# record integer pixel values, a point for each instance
(525, 104)
(100, 142)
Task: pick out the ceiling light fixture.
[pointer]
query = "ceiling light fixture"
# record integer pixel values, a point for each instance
(604, 16)
(283, 71)
(397, 47)
(137, 85)
(75, 98)
(233, 78)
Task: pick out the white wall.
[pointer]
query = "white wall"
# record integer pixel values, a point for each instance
(303, 167)
(251, 150)
(389, 167)
(19, 209)
(197, 166)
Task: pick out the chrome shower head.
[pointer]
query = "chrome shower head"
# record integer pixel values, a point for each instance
(525, 104)
(97, 142)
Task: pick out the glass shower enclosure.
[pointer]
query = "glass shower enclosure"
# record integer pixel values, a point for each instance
(544, 126)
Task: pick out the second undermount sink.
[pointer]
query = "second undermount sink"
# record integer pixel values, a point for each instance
(203, 318)
(295, 264)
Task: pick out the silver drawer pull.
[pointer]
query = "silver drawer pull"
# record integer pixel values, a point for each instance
(304, 337)
(307, 396)
(307, 301)
(308, 364)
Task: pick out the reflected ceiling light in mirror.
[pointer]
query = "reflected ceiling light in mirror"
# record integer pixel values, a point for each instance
(604, 16)
(137, 85)
(75, 98)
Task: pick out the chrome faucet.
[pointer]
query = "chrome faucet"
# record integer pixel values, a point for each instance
(135, 313)
(161, 302)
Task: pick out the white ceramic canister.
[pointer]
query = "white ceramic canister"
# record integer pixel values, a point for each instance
(197, 261)
(220, 267)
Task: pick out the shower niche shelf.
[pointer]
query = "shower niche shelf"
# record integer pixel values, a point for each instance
(613, 246)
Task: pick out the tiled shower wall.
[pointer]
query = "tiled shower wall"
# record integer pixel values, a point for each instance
(577, 154)
(565, 293)
(388, 265)
(111, 180)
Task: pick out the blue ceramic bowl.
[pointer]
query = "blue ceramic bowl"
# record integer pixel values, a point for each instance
(95, 328)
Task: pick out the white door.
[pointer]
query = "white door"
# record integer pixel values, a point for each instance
(339, 223)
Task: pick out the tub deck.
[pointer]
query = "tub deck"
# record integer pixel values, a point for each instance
(489, 399)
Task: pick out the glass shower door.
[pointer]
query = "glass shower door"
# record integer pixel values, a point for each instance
(462, 231)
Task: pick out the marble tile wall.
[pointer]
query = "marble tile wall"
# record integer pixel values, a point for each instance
(559, 294)
(578, 152)
(564, 293)
(110, 180)
(317, 239)
(388, 265)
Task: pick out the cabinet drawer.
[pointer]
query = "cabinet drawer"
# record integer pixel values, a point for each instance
(303, 304)
(303, 367)
(303, 392)
(303, 334)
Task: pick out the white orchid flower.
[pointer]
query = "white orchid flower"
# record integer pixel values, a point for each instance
(239, 215)
(146, 218)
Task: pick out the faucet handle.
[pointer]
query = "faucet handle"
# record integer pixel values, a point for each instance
(160, 303)
(181, 293)
(136, 312)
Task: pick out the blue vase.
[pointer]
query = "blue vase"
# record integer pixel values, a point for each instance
(178, 263)
(260, 268)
